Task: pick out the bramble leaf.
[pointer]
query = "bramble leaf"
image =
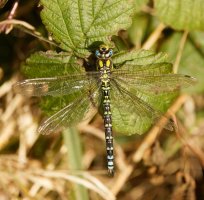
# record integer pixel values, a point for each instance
(181, 14)
(77, 24)
(149, 63)
(52, 64)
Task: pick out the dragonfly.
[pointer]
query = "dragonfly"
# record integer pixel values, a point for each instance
(106, 89)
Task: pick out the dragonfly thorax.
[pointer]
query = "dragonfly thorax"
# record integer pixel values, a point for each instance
(104, 67)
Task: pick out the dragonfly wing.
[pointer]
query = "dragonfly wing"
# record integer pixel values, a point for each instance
(70, 115)
(155, 83)
(131, 114)
(147, 69)
(54, 86)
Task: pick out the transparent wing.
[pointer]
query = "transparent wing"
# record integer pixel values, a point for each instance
(131, 113)
(72, 114)
(148, 69)
(155, 83)
(55, 86)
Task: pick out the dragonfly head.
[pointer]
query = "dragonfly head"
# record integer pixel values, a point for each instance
(104, 52)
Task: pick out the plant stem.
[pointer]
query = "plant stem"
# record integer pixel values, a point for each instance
(73, 145)
(153, 37)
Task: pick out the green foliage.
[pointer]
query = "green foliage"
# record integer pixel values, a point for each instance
(137, 31)
(53, 64)
(76, 24)
(192, 61)
(181, 14)
(50, 63)
(141, 62)
(143, 57)
(79, 26)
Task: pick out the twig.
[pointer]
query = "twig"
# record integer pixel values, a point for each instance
(17, 22)
(148, 10)
(191, 145)
(13, 10)
(7, 28)
(121, 179)
(153, 37)
(153, 133)
(26, 27)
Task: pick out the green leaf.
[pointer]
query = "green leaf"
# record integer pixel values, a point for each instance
(192, 59)
(138, 29)
(123, 119)
(142, 57)
(119, 43)
(181, 14)
(52, 64)
(151, 64)
(78, 24)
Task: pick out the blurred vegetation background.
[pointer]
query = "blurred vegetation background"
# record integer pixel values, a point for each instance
(157, 165)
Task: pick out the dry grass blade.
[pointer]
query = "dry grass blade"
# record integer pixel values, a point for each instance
(26, 27)
(153, 37)
(96, 186)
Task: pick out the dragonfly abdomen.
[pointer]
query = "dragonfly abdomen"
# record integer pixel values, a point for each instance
(108, 129)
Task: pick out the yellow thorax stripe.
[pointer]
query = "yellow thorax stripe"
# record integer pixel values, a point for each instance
(108, 63)
(100, 63)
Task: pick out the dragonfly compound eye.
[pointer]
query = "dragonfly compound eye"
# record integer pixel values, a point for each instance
(110, 52)
(97, 53)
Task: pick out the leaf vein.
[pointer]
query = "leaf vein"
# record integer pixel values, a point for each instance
(65, 25)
